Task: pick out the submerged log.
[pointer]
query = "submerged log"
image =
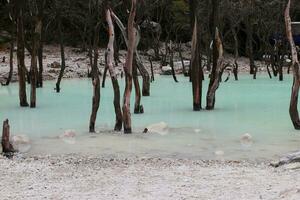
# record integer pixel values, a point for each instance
(7, 148)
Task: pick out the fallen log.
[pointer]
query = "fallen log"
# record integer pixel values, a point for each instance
(287, 159)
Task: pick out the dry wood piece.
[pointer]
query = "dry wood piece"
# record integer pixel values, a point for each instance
(7, 147)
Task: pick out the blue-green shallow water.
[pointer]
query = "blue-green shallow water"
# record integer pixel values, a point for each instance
(258, 107)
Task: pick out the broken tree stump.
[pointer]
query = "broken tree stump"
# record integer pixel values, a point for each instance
(7, 148)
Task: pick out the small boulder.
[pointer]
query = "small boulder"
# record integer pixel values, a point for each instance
(68, 136)
(55, 65)
(159, 128)
(21, 143)
(166, 70)
(219, 153)
(246, 139)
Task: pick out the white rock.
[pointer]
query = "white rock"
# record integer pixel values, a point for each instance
(166, 70)
(219, 153)
(246, 139)
(197, 130)
(68, 136)
(159, 128)
(21, 143)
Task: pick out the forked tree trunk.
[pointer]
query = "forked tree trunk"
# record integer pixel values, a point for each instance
(21, 55)
(7, 147)
(294, 114)
(197, 73)
(62, 55)
(128, 68)
(110, 66)
(33, 69)
(96, 83)
(141, 67)
(215, 78)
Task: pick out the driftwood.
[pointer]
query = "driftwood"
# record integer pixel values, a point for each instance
(7, 148)
(290, 158)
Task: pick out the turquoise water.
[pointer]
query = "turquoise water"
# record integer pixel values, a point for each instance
(257, 107)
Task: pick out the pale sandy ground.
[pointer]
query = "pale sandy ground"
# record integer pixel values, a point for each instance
(82, 177)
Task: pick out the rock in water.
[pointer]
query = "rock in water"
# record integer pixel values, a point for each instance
(21, 143)
(219, 153)
(166, 70)
(246, 139)
(159, 128)
(68, 136)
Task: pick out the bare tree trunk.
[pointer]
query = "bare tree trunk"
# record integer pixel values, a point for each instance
(250, 47)
(215, 78)
(138, 108)
(141, 67)
(196, 70)
(7, 147)
(96, 82)
(21, 55)
(172, 62)
(11, 64)
(236, 55)
(104, 76)
(151, 66)
(33, 69)
(109, 64)
(294, 114)
(62, 54)
(128, 68)
(40, 4)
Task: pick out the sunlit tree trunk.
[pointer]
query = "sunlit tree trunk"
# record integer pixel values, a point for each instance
(109, 64)
(294, 114)
(215, 82)
(128, 69)
(196, 71)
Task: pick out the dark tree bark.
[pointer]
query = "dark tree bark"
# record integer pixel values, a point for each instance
(138, 108)
(236, 55)
(104, 76)
(109, 64)
(151, 66)
(11, 64)
(40, 4)
(62, 54)
(128, 68)
(33, 69)
(141, 67)
(7, 148)
(215, 78)
(294, 114)
(21, 53)
(96, 82)
(196, 70)
(172, 62)
(253, 68)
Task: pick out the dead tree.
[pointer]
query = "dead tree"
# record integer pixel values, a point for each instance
(95, 78)
(21, 52)
(128, 68)
(62, 52)
(172, 62)
(141, 67)
(33, 68)
(215, 78)
(40, 16)
(294, 114)
(196, 70)
(109, 64)
(7, 147)
(11, 64)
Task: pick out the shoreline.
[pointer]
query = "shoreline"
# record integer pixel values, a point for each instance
(88, 177)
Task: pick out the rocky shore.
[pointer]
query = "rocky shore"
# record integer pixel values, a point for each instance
(86, 177)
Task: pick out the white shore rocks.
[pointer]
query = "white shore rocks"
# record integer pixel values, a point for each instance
(159, 128)
(87, 177)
